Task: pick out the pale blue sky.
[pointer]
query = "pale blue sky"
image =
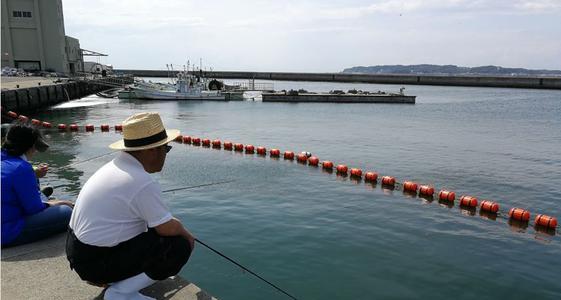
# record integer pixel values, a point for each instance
(318, 36)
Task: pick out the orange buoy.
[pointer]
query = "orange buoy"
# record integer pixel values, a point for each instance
(61, 127)
(288, 155)
(388, 180)
(35, 122)
(274, 152)
(104, 127)
(119, 127)
(23, 118)
(342, 169)
(238, 147)
(410, 186)
(89, 127)
(313, 161)
(370, 176)
(179, 138)
(12, 114)
(302, 158)
(73, 127)
(490, 206)
(46, 125)
(216, 144)
(519, 214)
(205, 142)
(356, 172)
(547, 221)
(426, 190)
(196, 141)
(228, 145)
(468, 201)
(186, 139)
(261, 150)
(445, 195)
(327, 164)
(249, 149)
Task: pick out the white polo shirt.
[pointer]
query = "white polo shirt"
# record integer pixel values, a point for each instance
(117, 203)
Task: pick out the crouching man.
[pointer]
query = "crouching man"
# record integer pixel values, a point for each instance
(121, 233)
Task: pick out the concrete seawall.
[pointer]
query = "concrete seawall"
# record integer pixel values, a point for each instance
(329, 98)
(481, 81)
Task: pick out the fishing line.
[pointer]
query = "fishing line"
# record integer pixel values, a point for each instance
(246, 269)
(85, 160)
(197, 186)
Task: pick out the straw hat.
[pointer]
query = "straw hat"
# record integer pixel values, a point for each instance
(144, 131)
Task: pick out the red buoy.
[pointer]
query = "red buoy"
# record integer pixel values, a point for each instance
(35, 122)
(228, 145)
(216, 144)
(261, 150)
(89, 127)
(519, 214)
(426, 190)
(196, 141)
(313, 161)
(249, 149)
(186, 139)
(274, 152)
(327, 164)
(410, 186)
(23, 118)
(119, 127)
(342, 169)
(370, 176)
(12, 114)
(205, 142)
(73, 127)
(547, 221)
(61, 127)
(468, 201)
(46, 125)
(238, 147)
(445, 195)
(388, 180)
(490, 206)
(104, 127)
(356, 172)
(288, 155)
(302, 158)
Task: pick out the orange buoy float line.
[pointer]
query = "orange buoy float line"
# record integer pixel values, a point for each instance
(410, 186)
(288, 155)
(445, 195)
(61, 127)
(35, 122)
(205, 142)
(90, 127)
(119, 127)
(46, 125)
(12, 114)
(302, 158)
(342, 169)
(104, 127)
(546, 221)
(274, 152)
(179, 139)
(261, 150)
(23, 118)
(489, 206)
(228, 145)
(196, 141)
(519, 214)
(426, 190)
(388, 180)
(468, 201)
(249, 149)
(73, 127)
(238, 147)
(356, 172)
(186, 139)
(370, 176)
(216, 144)
(313, 161)
(328, 165)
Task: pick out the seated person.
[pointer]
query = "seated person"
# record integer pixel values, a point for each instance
(27, 215)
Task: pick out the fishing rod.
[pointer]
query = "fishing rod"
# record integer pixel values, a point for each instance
(86, 160)
(196, 186)
(246, 269)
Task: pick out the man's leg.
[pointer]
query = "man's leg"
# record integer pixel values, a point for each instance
(46, 223)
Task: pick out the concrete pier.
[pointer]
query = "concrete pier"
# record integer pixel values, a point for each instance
(480, 81)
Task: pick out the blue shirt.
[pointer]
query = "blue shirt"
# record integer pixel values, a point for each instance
(21, 196)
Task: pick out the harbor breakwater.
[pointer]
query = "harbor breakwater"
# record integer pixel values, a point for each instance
(479, 81)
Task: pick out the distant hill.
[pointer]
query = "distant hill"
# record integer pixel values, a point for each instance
(450, 70)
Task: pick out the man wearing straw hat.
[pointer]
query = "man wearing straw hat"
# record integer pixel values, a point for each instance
(121, 233)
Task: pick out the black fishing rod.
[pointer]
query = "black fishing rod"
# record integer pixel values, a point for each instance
(246, 269)
(196, 186)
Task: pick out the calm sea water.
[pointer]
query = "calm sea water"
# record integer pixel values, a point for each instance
(322, 236)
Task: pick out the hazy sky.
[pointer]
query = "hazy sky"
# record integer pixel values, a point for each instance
(318, 36)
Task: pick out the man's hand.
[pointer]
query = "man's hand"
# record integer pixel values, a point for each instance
(174, 227)
(41, 170)
(55, 202)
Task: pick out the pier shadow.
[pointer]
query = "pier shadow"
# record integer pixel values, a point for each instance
(50, 247)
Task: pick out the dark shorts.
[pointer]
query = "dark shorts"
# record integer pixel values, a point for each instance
(158, 256)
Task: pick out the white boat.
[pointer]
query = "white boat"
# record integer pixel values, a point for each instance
(187, 87)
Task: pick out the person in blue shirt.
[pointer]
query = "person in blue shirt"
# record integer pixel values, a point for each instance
(27, 215)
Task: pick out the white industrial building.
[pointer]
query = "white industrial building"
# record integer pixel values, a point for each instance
(33, 37)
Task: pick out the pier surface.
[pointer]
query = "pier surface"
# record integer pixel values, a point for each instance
(40, 271)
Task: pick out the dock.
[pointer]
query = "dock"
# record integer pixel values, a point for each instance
(40, 271)
(338, 98)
